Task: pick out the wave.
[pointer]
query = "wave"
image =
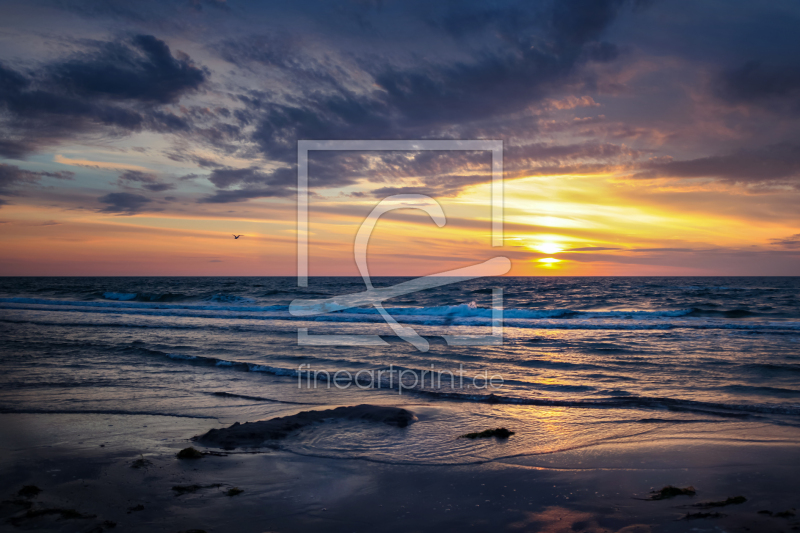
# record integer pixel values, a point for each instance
(144, 297)
(773, 367)
(228, 298)
(145, 304)
(457, 315)
(761, 390)
(26, 410)
(470, 310)
(173, 297)
(224, 394)
(623, 401)
(730, 313)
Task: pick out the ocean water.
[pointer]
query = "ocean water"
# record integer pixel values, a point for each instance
(584, 361)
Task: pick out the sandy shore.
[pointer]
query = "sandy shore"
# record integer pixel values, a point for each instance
(85, 463)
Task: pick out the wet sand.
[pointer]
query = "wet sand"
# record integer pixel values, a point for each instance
(84, 462)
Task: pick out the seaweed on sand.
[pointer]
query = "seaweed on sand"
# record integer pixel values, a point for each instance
(735, 500)
(695, 516)
(670, 492)
(25, 504)
(500, 433)
(67, 514)
(190, 453)
(188, 489)
(255, 434)
(29, 491)
(141, 462)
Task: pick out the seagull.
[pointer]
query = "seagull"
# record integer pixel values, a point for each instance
(235, 236)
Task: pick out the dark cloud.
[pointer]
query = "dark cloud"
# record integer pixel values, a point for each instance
(198, 5)
(776, 163)
(240, 195)
(383, 192)
(756, 82)
(142, 69)
(166, 15)
(145, 179)
(788, 242)
(114, 87)
(255, 183)
(123, 203)
(228, 177)
(533, 55)
(512, 55)
(11, 177)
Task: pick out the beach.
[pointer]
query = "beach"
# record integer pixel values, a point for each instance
(601, 488)
(610, 389)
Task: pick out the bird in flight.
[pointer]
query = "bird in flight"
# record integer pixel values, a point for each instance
(235, 236)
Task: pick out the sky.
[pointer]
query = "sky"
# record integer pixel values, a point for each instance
(640, 137)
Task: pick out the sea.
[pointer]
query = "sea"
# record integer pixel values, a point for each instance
(575, 362)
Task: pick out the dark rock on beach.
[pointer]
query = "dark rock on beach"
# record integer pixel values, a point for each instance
(252, 434)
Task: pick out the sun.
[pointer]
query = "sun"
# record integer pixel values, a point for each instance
(549, 248)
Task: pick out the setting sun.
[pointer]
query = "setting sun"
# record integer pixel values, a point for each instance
(549, 248)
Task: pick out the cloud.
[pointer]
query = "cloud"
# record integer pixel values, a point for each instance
(11, 177)
(123, 203)
(240, 195)
(115, 87)
(571, 102)
(591, 249)
(255, 183)
(530, 58)
(788, 242)
(664, 250)
(757, 82)
(142, 70)
(58, 158)
(228, 177)
(775, 163)
(148, 181)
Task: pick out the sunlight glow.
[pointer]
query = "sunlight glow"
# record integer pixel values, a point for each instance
(549, 248)
(549, 261)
